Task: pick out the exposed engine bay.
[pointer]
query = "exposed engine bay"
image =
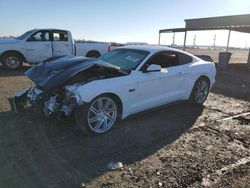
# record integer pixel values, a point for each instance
(52, 78)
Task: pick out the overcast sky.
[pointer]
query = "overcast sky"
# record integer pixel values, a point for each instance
(121, 20)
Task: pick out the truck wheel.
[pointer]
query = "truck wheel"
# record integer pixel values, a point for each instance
(12, 61)
(93, 54)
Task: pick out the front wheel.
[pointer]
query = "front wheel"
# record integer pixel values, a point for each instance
(200, 91)
(12, 61)
(98, 116)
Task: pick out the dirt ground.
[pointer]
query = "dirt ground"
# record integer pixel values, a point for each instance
(176, 146)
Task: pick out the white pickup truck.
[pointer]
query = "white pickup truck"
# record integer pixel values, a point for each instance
(38, 45)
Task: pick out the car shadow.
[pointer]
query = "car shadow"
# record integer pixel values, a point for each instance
(49, 152)
(9, 73)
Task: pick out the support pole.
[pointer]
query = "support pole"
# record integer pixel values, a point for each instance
(159, 39)
(173, 39)
(248, 59)
(184, 45)
(228, 39)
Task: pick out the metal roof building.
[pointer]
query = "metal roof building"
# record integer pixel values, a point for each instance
(240, 23)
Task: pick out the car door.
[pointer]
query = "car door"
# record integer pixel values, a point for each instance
(173, 74)
(165, 86)
(61, 43)
(148, 90)
(173, 82)
(39, 46)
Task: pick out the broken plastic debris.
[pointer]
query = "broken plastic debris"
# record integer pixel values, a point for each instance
(114, 165)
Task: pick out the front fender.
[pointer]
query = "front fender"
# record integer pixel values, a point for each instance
(88, 91)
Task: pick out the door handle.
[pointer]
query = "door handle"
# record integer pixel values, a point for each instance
(66, 45)
(180, 73)
(46, 44)
(131, 90)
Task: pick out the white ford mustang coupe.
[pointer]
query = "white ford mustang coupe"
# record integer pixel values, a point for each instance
(125, 81)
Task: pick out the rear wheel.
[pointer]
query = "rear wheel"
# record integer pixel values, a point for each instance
(93, 54)
(12, 61)
(200, 91)
(98, 117)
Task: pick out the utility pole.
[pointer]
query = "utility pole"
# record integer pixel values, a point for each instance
(185, 39)
(214, 40)
(173, 38)
(228, 40)
(159, 38)
(248, 59)
(194, 40)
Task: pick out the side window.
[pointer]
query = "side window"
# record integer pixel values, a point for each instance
(164, 59)
(184, 59)
(60, 36)
(40, 36)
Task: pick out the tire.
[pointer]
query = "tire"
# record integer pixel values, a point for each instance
(200, 91)
(97, 117)
(93, 54)
(12, 61)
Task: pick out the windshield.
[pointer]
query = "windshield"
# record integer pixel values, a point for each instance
(126, 59)
(23, 36)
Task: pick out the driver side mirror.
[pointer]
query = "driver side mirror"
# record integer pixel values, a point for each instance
(153, 68)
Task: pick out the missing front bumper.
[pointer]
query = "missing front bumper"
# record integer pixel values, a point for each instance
(19, 102)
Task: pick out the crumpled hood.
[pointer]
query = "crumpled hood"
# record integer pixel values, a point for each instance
(54, 73)
(8, 41)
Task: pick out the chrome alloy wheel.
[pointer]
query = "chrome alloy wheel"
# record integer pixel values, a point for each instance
(102, 115)
(201, 92)
(12, 62)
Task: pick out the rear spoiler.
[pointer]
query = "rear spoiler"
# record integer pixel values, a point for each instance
(205, 57)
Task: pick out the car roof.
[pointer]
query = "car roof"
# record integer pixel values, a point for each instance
(156, 48)
(149, 48)
(50, 29)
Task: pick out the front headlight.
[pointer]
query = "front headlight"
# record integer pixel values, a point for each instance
(33, 94)
(72, 99)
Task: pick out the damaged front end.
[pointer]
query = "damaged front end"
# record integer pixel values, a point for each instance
(59, 101)
(56, 82)
(23, 100)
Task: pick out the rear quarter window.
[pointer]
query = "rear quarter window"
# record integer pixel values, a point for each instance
(184, 58)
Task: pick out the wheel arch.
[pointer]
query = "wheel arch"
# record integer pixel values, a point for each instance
(117, 100)
(204, 76)
(83, 110)
(13, 51)
(201, 76)
(93, 53)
